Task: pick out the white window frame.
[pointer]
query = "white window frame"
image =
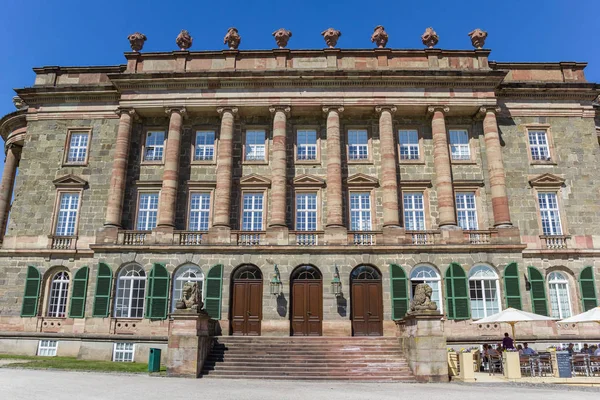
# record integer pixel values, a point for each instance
(124, 297)
(550, 214)
(183, 275)
(47, 348)
(361, 216)
(206, 150)
(557, 282)
(466, 213)
(66, 222)
(199, 214)
(485, 278)
(155, 151)
(539, 145)
(58, 294)
(121, 351)
(358, 151)
(414, 217)
(255, 151)
(311, 151)
(254, 213)
(307, 212)
(459, 151)
(429, 275)
(409, 151)
(147, 216)
(77, 149)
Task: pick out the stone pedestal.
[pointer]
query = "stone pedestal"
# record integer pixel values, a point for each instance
(466, 373)
(219, 235)
(423, 342)
(394, 235)
(452, 235)
(278, 235)
(191, 336)
(336, 235)
(512, 367)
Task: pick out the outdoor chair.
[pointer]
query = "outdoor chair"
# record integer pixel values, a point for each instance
(526, 363)
(544, 364)
(580, 364)
(594, 366)
(494, 363)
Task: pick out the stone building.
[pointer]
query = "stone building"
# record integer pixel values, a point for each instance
(268, 175)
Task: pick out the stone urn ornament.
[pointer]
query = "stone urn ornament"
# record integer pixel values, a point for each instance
(379, 36)
(232, 39)
(184, 40)
(282, 36)
(136, 41)
(478, 38)
(430, 38)
(331, 37)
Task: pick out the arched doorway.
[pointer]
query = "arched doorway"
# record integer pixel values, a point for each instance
(366, 301)
(306, 301)
(246, 302)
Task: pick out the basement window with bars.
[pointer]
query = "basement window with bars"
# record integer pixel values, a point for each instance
(123, 352)
(47, 348)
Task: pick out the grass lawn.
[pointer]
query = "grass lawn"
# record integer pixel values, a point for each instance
(72, 363)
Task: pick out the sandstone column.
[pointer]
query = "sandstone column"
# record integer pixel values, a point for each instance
(168, 193)
(8, 181)
(335, 232)
(116, 191)
(496, 168)
(443, 169)
(278, 167)
(389, 180)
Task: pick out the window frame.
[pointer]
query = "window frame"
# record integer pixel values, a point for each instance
(317, 159)
(265, 161)
(561, 217)
(470, 145)
(143, 145)
(188, 217)
(421, 158)
(193, 159)
(305, 191)
(369, 144)
(124, 351)
(48, 292)
(478, 213)
(550, 283)
(70, 132)
(423, 193)
(372, 209)
(117, 286)
(549, 142)
(140, 192)
(47, 347)
(265, 208)
(55, 216)
(496, 278)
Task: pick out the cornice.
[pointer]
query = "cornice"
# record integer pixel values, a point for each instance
(550, 91)
(11, 122)
(68, 94)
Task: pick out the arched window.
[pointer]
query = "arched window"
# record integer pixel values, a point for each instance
(428, 275)
(306, 272)
(365, 272)
(484, 291)
(131, 289)
(57, 296)
(247, 271)
(560, 300)
(186, 273)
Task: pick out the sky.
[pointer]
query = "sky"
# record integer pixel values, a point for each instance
(37, 33)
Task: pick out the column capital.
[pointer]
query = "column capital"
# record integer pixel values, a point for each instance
(486, 109)
(390, 108)
(125, 110)
(284, 109)
(432, 109)
(181, 110)
(232, 110)
(338, 109)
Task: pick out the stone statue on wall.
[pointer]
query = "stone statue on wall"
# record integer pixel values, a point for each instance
(422, 299)
(190, 297)
(184, 40)
(379, 36)
(430, 38)
(232, 39)
(136, 41)
(282, 36)
(478, 38)
(331, 37)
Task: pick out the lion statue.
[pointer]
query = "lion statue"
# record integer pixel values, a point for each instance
(422, 299)
(190, 297)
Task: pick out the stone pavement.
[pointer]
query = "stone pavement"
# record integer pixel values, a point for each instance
(58, 385)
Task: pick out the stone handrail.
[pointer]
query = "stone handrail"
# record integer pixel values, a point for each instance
(424, 237)
(250, 238)
(363, 238)
(132, 238)
(63, 242)
(553, 242)
(306, 238)
(190, 238)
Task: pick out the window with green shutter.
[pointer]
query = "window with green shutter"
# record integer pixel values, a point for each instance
(103, 291)
(399, 291)
(538, 291)
(214, 287)
(588, 289)
(512, 288)
(157, 298)
(31, 293)
(79, 292)
(457, 294)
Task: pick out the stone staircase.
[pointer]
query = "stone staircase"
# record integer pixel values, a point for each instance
(307, 358)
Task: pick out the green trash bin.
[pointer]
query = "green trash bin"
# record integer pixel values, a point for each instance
(154, 360)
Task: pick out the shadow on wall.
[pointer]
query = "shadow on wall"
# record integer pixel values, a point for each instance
(342, 305)
(282, 305)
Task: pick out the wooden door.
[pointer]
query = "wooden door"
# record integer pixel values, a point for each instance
(246, 311)
(367, 308)
(307, 308)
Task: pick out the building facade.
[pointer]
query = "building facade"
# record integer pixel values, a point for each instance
(266, 176)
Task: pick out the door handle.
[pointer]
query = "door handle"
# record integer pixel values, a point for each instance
(308, 313)
(248, 312)
(370, 313)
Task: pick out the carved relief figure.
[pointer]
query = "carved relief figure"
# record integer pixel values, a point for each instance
(331, 37)
(430, 38)
(379, 36)
(478, 38)
(136, 41)
(190, 297)
(184, 40)
(232, 39)
(282, 36)
(422, 299)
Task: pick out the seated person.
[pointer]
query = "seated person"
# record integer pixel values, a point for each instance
(586, 349)
(597, 352)
(570, 349)
(528, 351)
(520, 349)
(492, 352)
(508, 342)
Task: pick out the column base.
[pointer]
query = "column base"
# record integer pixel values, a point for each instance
(162, 235)
(452, 234)
(510, 235)
(336, 235)
(108, 234)
(278, 235)
(393, 234)
(219, 235)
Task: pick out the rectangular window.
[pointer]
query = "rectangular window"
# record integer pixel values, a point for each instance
(78, 144)
(360, 211)
(466, 210)
(459, 144)
(484, 298)
(538, 143)
(67, 214)
(409, 144)
(155, 146)
(550, 214)
(306, 145)
(47, 348)
(358, 144)
(414, 212)
(205, 146)
(123, 352)
(306, 211)
(199, 211)
(147, 211)
(255, 145)
(252, 216)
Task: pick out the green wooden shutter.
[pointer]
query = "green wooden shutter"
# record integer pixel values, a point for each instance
(31, 293)
(79, 293)
(512, 289)
(399, 290)
(588, 289)
(103, 290)
(157, 293)
(457, 293)
(538, 291)
(214, 287)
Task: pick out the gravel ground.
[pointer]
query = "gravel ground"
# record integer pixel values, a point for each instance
(56, 385)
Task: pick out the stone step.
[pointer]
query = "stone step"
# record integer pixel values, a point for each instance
(324, 368)
(300, 353)
(362, 378)
(309, 363)
(312, 360)
(358, 375)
